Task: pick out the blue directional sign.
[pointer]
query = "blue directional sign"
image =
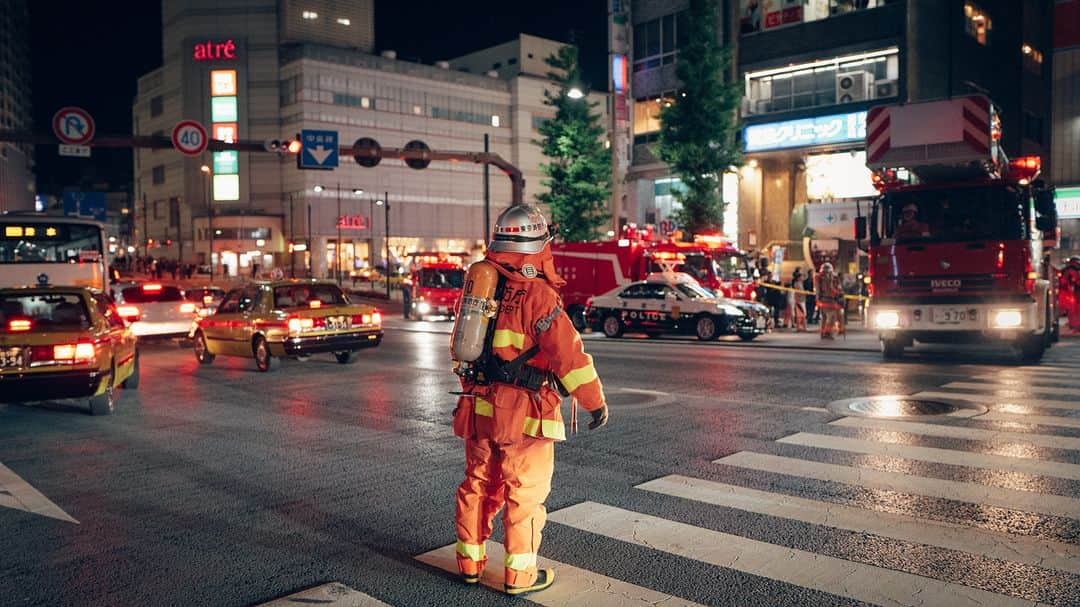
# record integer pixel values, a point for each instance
(85, 204)
(318, 149)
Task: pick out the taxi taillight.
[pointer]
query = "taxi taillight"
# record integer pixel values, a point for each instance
(187, 308)
(297, 325)
(82, 352)
(376, 318)
(128, 313)
(18, 324)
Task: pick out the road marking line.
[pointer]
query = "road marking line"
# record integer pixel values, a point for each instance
(994, 399)
(992, 544)
(334, 594)
(986, 461)
(965, 385)
(962, 432)
(1024, 418)
(21, 496)
(974, 493)
(1006, 380)
(642, 391)
(827, 574)
(573, 586)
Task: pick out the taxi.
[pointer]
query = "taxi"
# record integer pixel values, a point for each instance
(674, 302)
(267, 321)
(64, 342)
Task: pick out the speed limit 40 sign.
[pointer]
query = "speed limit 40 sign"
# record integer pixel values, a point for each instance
(189, 137)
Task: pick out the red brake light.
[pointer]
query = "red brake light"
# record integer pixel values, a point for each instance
(151, 288)
(81, 352)
(18, 324)
(187, 308)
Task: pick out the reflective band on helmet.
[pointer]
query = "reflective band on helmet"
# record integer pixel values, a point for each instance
(506, 337)
(471, 551)
(510, 238)
(484, 408)
(544, 428)
(574, 379)
(522, 561)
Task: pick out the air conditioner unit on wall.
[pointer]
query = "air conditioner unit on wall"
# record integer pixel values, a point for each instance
(853, 86)
(885, 88)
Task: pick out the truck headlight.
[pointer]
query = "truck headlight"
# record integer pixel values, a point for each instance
(423, 307)
(1007, 319)
(887, 319)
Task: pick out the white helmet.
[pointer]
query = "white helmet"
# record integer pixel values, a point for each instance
(520, 229)
(826, 267)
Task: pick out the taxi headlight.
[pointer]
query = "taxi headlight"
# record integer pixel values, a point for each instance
(1007, 319)
(423, 307)
(887, 319)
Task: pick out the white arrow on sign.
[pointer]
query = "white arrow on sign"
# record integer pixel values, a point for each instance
(320, 153)
(18, 494)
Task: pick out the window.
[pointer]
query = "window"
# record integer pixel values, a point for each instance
(496, 65)
(647, 114)
(538, 121)
(865, 76)
(416, 109)
(494, 120)
(231, 303)
(977, 23)
(1033, 127)
(511, 61)
(108, 310)
(638, 291)
(344, 21)
(158, 174)
(309, 15)
(157, 105)
(656, 42)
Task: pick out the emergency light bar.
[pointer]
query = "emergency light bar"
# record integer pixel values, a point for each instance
(1025, 168)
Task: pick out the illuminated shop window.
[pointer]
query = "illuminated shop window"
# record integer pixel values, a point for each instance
(647, 116)
(977, 23)
(343, 21)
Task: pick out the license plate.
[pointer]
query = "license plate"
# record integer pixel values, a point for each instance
(11, 358)
(337, 323)
(950, 316)
(759, 322)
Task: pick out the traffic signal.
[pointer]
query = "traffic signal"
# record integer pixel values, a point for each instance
(282, 146)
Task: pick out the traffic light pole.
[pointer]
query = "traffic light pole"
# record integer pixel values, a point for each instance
(517, 181)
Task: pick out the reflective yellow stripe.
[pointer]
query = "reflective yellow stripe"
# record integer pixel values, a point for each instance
(471, 551)
(506, 337)
(484, 408)
(544, 428)
(582, 375)
(522, 561)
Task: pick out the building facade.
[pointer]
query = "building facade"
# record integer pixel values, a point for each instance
(1065, 144)
(266, 70)
(17, 188)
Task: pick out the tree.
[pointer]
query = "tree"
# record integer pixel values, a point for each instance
(579, 174)
(698, 131)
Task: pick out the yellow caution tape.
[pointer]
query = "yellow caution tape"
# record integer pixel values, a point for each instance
(804, 292)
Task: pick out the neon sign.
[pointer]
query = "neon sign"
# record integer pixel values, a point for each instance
(821, 130)
(352, 222)
(210, 51)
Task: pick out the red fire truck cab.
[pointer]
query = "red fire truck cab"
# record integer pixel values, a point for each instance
(594, 268)
(956, 239)
(434, 283)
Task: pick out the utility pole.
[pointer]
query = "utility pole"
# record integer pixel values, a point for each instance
(308, 237)
(487, 195)
(145, 229)
(337, 246)
(292, 238)
(386, 218)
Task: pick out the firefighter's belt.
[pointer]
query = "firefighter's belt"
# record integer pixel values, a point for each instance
(522, 376)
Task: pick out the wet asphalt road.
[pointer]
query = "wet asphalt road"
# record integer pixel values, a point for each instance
(224, 486)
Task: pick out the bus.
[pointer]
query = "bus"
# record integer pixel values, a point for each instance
(39, 249)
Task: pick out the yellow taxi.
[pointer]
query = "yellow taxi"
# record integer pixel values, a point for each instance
(295, 318)
(64, 342)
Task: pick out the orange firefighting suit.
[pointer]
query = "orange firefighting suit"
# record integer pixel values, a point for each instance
(510, 432)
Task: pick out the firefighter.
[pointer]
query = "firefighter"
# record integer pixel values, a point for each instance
(910, 227)
(1070, 289)
(830, 299)
(511, 418)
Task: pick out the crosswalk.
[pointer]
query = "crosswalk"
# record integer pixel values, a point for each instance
(982, 507)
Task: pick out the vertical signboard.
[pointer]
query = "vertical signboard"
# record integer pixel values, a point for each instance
(224, 114)
(619, 59)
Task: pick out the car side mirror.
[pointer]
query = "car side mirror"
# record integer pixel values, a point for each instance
(860, 228)
(1046, 223)
(1044, 202)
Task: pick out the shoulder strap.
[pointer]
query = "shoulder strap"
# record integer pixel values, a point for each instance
(542, 325)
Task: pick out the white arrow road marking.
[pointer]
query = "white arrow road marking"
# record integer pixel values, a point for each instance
(18, 494)
(334, 594)
(320, 153)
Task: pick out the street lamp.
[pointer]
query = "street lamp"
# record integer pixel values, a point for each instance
(575, 93)
(209, 218)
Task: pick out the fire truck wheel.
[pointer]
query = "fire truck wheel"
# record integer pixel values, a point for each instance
(1031, 348)
(706, 328)
(892, 349)
(613, 326)
(577, 316)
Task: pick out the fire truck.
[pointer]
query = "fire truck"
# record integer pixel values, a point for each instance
(434, 283)
(957, 237)
(594, 268)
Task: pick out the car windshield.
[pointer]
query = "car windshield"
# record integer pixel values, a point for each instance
(49, 243)
(301, 296)
(955, 214)
(731, 266)
(150, 293)
(694, 291)
(200, 295)
(442, 278)
(45, 311)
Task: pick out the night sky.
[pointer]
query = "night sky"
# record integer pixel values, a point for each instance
(82, 55)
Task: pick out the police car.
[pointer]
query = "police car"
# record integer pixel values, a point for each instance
(674, 303)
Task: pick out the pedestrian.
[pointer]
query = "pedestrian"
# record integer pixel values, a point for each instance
(811, 299)
(510, 427)
(1070, 283)
(797, 302)
(830, 298)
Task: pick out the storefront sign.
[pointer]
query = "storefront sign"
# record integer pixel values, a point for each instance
(1068, 202)
(352, 222)
(210, 51)
(807, 132)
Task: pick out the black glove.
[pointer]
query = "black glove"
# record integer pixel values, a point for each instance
(599, 418)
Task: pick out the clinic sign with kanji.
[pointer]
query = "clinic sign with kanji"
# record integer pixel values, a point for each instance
(806, 132)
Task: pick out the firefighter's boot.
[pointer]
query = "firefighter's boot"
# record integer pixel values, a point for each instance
(471, 570)
(544, 578)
